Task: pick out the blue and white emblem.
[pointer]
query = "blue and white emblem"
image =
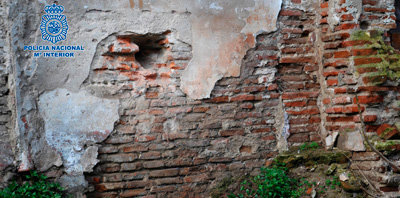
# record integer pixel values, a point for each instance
(54, 25)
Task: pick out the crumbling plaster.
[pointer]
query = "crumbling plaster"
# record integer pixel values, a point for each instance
(55, 111)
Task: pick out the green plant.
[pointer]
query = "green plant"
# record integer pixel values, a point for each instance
(35, 186)
(272, 182)
(309, 146)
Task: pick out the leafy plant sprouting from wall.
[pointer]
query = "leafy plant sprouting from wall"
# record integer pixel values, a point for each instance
(389, 67)
(35, 186)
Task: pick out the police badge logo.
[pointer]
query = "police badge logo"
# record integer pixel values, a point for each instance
(54, 25)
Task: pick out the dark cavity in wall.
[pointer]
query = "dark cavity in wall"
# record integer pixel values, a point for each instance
(151, 48)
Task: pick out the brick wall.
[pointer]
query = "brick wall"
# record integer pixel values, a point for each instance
(166, 144)
(346, 75)
(297, 85)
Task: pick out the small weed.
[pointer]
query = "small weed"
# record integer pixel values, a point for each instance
(309, 146)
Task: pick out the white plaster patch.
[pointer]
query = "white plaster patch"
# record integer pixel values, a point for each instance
(219, 48)
(74, 120)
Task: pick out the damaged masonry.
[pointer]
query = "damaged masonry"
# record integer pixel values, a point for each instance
(144, 98)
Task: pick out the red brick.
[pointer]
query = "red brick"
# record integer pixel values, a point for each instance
(340, 90)
(331, 73)
(133, 193)
(297, 60)
(346, 26)
(381, 10)
(387, 131)
(165, 173)
(261, 130)
(156, 111)
(347, 17)
(326, 101)
(389, 189)
(337, 63)
(368, 60)
(354, 43)
(353, 109)
(341, 54)
(325, 5)
(145, 138)
(304, 112)
(241, 115)
(150, 95)
(295, 95)
(296, 104)
(340, 119)
(242, 98)
(332, 82)
(363, 52)
(200, 109)
(378, 79)
(372, 99)
(247, 106)
(290, 13)
(369, 2)
(296, 1)
(226, 133)
(362, 70)
(299, 137)
(180, 110)
(338, 109)
(370, 118)
(219, 99)
(134, 148)
(268, 138)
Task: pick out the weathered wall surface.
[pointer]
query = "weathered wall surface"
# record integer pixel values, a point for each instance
(6, 147)
(168, 97)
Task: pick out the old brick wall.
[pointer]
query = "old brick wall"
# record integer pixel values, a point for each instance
(346, 75)
(298, 84)
(169, 145)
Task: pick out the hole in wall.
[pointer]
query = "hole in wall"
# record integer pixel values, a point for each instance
(151, 49)
(305, 33)
(364, 25)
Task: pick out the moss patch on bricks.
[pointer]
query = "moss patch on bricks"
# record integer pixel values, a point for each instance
(389, 67)
(317, 172)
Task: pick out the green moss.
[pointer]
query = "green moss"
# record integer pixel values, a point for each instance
(366, 36)
(389, 68)
(312, 157)
(388, 145)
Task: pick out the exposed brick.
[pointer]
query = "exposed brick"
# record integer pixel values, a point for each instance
(290, 13)
(341, 54)
(165, 173)
(132, 193)
(231, 132)
(369, 60)
(387, 131)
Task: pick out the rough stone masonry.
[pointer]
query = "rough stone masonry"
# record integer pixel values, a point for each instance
(169, 97)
